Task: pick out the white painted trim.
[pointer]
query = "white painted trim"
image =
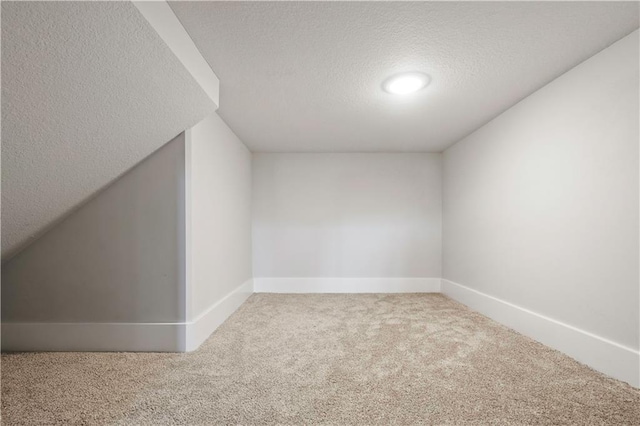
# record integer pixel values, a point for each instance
(606, 356)
(346, 285)
(161, 17)
(611, 358)
(188, 264)
(208, 321)
(90, 337)
(123, 337)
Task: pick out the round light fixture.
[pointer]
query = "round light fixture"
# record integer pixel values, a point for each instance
(405, 83)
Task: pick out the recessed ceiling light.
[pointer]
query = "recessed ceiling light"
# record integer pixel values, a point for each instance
(405, 83)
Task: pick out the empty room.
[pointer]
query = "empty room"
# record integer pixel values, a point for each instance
(340, 213)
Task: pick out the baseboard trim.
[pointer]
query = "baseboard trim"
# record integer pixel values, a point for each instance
(123, 337)
(606, 356)
(93, 337)
(346, 285)
(208, 321)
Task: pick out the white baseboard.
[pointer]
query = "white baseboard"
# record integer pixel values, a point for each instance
(208, 321)
(606, 356)
(346, 285)
(93, 337)
(123, 337)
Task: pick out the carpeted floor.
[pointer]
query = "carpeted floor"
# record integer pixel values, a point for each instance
(333, 359)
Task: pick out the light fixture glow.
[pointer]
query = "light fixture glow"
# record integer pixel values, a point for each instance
(405, 83)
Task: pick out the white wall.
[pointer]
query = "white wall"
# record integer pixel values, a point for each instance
(347, 215)
(219, 214)
(541, 204)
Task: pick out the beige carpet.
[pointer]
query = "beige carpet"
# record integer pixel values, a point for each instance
(333, 359)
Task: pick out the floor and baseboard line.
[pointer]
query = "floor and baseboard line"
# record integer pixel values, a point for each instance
(346, 285)
(201, 327)
(606, 356)
(124, 337)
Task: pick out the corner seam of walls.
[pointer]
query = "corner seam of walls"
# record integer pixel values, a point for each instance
(186, 240)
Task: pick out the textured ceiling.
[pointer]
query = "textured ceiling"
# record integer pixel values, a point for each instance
(305, 76)
(88, 90)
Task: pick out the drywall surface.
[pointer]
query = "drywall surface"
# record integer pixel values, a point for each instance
(219, 213)
(346, 215)
(89, 89)
(541, 204)
(315, 68)
(116, 259)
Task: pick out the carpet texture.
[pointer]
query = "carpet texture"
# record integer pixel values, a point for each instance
(367, 359)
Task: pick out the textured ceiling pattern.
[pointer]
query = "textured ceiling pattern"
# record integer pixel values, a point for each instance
(305, 76)
(88, 90)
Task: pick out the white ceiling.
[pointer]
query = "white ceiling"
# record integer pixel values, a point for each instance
(305, 76)
(88, 90)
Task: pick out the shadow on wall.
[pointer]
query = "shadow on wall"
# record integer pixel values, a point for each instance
(118, 258)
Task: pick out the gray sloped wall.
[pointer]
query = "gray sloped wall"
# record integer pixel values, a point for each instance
(119, 258)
